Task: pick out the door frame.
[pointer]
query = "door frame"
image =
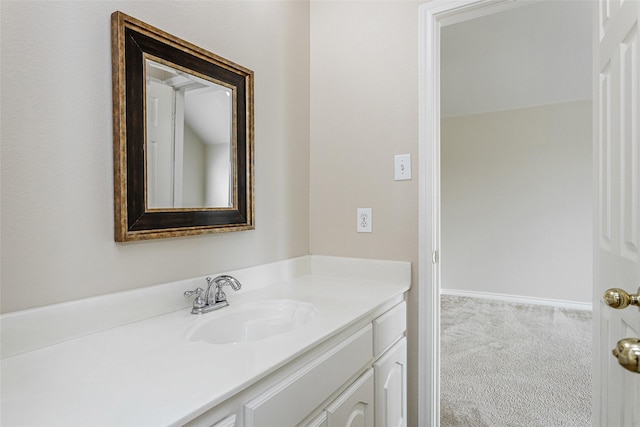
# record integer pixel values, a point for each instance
(432, 16)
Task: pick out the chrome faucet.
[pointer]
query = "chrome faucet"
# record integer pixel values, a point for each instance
(212, 300)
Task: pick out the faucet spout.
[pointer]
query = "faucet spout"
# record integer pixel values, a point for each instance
(207, 295)
(229, 280)
(222, 281)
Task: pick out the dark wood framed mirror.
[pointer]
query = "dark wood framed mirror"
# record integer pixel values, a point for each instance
(183, 136)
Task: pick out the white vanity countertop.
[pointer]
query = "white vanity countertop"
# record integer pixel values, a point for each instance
(147, 373)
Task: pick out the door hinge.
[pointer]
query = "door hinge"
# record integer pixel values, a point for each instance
(434, 257)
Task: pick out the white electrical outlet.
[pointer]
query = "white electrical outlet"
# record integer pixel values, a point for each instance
(403, 167)
(364, 219)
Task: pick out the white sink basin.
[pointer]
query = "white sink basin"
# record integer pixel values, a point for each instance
(251, 321)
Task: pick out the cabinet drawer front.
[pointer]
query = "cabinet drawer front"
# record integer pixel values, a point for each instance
(230, 421)
(389, 327)
(319, 421)
(295, 397)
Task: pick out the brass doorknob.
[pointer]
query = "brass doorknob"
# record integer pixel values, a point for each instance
(619, 298)
(627, 352)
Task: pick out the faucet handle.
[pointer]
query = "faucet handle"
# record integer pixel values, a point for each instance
(199, 302)
(197, 291)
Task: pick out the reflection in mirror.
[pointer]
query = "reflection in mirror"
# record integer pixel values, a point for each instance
(189, 140)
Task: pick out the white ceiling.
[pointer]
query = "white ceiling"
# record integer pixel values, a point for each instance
(536, 54)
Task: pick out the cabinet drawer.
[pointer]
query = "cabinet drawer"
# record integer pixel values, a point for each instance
(290, 401)
(230, 421)
(319, 421)
(389, 327)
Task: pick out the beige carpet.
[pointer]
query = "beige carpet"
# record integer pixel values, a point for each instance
(511, 365)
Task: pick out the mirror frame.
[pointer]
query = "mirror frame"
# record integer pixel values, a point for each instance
(132, 42)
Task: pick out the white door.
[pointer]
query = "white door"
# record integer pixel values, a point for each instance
(617, 216)
(160, 100)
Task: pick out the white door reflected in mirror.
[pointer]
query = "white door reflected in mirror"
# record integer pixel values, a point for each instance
(189, 140)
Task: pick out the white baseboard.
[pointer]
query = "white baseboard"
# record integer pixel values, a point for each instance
(519, 299)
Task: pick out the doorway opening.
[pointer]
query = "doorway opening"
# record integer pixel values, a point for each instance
(433, 107)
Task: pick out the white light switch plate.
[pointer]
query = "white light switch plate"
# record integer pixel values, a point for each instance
(403, 167)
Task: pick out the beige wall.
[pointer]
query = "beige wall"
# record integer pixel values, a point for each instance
(516, 202)
(364, 105)
(57, 180)
(352, 67)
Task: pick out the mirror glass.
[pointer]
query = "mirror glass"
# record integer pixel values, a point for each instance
(189, 140)
(183, 136)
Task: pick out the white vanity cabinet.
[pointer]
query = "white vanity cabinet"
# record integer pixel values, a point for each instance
(354, 407)
(290, 401)
(358, 380)
(390, 367)
(230, 421)
(390, 372)
(320, 421)
(380, 393)
(343, 366)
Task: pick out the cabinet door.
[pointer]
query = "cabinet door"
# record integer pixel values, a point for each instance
(354, 407)
(391, 387)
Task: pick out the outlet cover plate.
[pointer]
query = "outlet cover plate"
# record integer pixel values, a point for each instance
(364, 219)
